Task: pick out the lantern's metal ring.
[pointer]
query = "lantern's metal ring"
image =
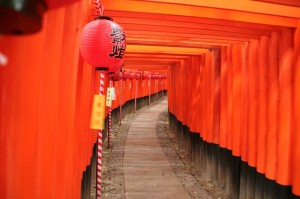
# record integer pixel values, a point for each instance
(104, 17)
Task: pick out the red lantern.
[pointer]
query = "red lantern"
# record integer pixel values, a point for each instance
(130, 76)
(125, 75)
(149, 76)
(117, 76)
(144, 76)
(103, 44)
(137, 76)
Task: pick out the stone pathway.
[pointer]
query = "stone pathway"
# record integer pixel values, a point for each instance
(147, 171)
(146, 161)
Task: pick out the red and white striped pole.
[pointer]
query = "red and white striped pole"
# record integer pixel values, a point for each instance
(99, 142)
(135, 93)
(109, 119)
(156, 83)
(121, 100)
(149, 88)
(162, 90)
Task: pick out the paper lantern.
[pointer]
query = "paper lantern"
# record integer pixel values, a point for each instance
(137, 76)
(130, 76)
(149, 76)
(112, 76)
(117, 76)
(144, 76)
(103, 44)
(125, 75)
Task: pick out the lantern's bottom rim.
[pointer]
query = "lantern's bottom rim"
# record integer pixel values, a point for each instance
(101, 68)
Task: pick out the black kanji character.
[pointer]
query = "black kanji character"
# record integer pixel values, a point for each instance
(117, 34)
(118, 51)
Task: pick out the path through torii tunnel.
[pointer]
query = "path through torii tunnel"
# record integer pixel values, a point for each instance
(232, 83)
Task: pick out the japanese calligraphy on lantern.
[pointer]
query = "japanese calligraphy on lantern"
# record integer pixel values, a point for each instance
(118, 41)
(98, 112)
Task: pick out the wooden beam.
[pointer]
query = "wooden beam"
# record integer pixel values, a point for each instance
(163, 61)
(191, 32)
(168, 36)
(155, 56)
(200, 20)
(283, 2)
(196, 11)
(190, 25)
(245, 5)
(201, 44)
(165, 49)
(142, 65)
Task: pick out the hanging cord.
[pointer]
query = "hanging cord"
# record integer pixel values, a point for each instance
(99, 8)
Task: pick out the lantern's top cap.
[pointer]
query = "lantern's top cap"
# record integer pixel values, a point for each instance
(104, 17)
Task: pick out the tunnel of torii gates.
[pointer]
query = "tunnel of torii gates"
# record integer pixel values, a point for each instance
(233, 82)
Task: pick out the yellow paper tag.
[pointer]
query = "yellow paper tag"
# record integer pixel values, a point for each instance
(98, 112)
(109, 96)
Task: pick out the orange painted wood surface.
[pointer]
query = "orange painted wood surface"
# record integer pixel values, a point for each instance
(296, 140)
(245, 99)
(285, 125)
(253, 86)
(262, 103)
(272, 106)
(223, 98)
(258, 103)
(46, 97)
